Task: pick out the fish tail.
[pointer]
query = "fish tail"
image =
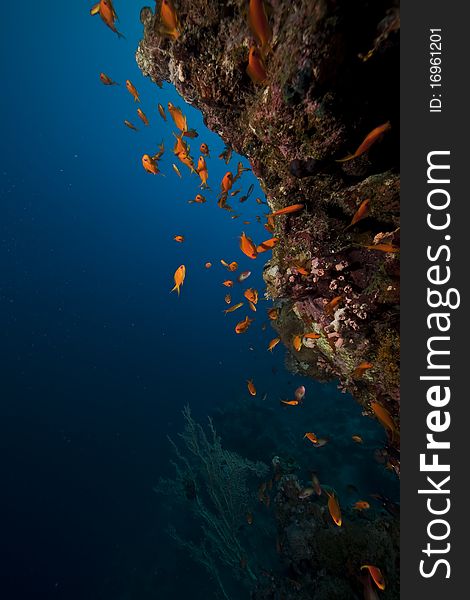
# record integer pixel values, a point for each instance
(345, 159)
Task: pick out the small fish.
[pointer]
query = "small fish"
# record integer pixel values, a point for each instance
(179, 277)
(108, 15)
(247, 246)
(301, 270)
(105, 80)
(208, 265)
(330, 307)
(228, 283)
(245, 197)
(204, 149)
(228, 299)
(170, 19)
(176, 170)
(243, 276)
(311, 336)
(357, 439)
(255, 69)
(161, 110)
(269, 225)
(287, 210)
(226, 183)
(273, 343)
(361, 369)
(130, 125)
(361, 505)
(273, 314)
(267, 245)
(233, 308)
(143, 117)
(259, 24)
(150, 164)
(178, 117)
(334, 508)
(252, 306)
(132, 91)
(259, 201)
(251, 387)
(191, 133)
(390, 248)
(306, 493)
(226, 154)
(316, 484)
(240, 170)
(297, 342)
(299, 393)
(202, 171)
(179, 238)
(369, 140)
(290, 402)
(384, 417)
(376, 575)
(199, 199)
(360, 214)
(311, 437)
(251, 295)
(242, 326)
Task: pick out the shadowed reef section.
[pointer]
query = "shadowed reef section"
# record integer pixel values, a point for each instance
(332, 77)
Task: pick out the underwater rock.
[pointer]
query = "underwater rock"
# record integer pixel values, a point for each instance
(333, 76)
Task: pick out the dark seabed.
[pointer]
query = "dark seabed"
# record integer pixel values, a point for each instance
(99, 358)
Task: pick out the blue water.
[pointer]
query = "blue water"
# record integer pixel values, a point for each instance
(98, 358)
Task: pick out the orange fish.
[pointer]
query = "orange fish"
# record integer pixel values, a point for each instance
(142, 116)
(334, 508)
(108, 15)
(361, 369)
(383, 248)
(330, 307)
(105, 80)
(369, 140)
(259, 24)
(130, 125)
(360, 214)
(132, 91)
(226, 155)
(255, 68)
(287, 210)
(199, 199)
(204, 149)
(150, 164)
(176, 170)
(228, 298)
(169, 19)
(252, 306)
(311, 437)
(208, 265)
(357, 439)
(267, 245)
(273, 343)
(361, 505)
(376, 575)
(297, 342)
(233, 308)
(269, 225)
(191, 133)
(179, 277)
(301, 271)
(251, 387)
(202, 171)
(242, 326)
(227, 182)
(247, 246)
(228, 283)
(311, 336)
(161, 110)
(290, 402)
(179, 238)
(178, 117)
(273, 314)
(384, 417)
(251, 295)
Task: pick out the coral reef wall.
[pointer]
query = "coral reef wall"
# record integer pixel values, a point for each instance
(332, 77)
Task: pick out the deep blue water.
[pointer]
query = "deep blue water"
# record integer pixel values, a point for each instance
(98, 358)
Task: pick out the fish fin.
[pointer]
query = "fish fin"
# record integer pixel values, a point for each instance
(95, 9)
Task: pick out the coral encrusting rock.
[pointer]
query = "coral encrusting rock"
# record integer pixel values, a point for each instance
(332, 78)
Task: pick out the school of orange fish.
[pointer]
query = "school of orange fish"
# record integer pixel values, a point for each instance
(258, 70)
